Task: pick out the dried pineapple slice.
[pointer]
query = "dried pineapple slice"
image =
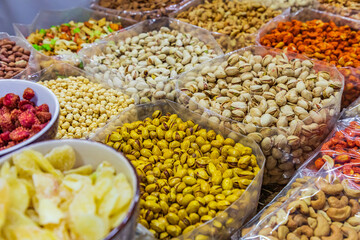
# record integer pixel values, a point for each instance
(25, 164)
(122, 185)
(19, 195)
(88, 226)
(30, 233)
(4, 200)
(83, 170)
(62, 158)
(83, 202)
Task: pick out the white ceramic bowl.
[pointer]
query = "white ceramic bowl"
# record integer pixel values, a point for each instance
(42, 95)
(93, 153)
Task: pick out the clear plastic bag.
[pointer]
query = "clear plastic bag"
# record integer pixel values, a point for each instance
(282, 159)
(294, 5)
(45, 19)
(240, 210)
(351, 74)
(352, 110)
(350, 9)
(310, 206)
(32, 63)
(125, 79)
(228, 43)
(141, 15)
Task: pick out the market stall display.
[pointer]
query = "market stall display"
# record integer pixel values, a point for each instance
(195, 177)
(234, 24)
(322, 36)
(287, 105)
(144, 59)
(28, 113)
(65, 190)
(58, 35)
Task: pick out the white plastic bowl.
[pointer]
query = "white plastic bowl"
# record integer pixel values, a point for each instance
(93, 153)
(42, 95)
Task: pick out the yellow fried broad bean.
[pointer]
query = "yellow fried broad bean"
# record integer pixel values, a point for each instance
(188, 174)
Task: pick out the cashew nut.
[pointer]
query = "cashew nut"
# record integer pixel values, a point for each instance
(304, 230)
(308, 194)
(315, 238)
(336, 203)
(354, 221)
(321, 212)
(292, 236)
(268, 231)
(301, 205)
(339, 224)
(349, 233)
(296, 221)
(323, 228)
(336, 233)
(356, 228)
(282, 232)
(339, 214)
(312, 212)
(312, 222)
(355, 206)
(245, 231)
(319, 203)
(330, 189)
(350, 192)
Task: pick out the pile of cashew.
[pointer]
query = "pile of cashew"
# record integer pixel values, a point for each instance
(326, 210)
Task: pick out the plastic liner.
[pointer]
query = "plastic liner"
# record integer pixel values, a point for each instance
(240, 210)
(45, 19)
(227, 43)
(352, 110)
(282, 160)
(140, 15)
(309, 206)
(350, 9)
(116, 78)
(32, 63)
(295, 5)
(352, 75)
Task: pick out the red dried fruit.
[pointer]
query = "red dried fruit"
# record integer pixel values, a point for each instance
(28, 94)
(43, 116)
(15, 114)
(37, 128)
(5, 136)
(2, 143)
(28, 107)
(5, 122)
(27, 119)
(11, 100)
(42, 108)
(19, 134)
(25, 102)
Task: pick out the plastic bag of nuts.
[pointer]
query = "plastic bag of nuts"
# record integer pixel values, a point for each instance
(285, 102)
(144, 59)
(16, 57)
(191, 219)
(352, 110)
(139, 10)
(234, 24)
(346, 8)
(85, 104)
(295, 5)
(320, 206)
(342, 52)
(46, 19)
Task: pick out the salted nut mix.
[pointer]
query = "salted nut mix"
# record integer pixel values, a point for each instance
(237, 19)
(324, 209)
(141, 5)
(144, 64)
(13, 58)
(189, 175)
(84, 105)
(346, 8)
(279, 103)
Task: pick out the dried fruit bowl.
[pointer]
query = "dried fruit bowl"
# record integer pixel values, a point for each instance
(92, 153)
(42, 95)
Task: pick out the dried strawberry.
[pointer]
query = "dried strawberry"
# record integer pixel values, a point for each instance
(19, 134)
(28, 94)
(15, 114)
(37, 128)
(11, 100)
(43, 116)
(27, 119)
(28, 107)
(5, 136)
(25, 102)
(42, 108)
(5, 122)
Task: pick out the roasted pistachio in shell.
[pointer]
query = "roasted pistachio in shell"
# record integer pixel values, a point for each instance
(188, 174)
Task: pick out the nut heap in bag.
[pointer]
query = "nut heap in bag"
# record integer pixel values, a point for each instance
(21, 119)
(70, 37)
(13, 58)
(84, 105)
(346, 8)
(189, 175)
(44, 197)
(324, 208)
(237, 19)
(143, 64)
(285, 105)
